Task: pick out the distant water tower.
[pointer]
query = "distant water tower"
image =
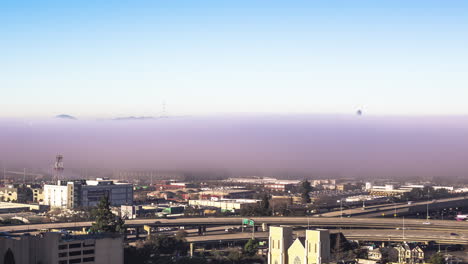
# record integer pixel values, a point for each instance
(58, 167)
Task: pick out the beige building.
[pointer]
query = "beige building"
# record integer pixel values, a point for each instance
(15, 193)
(57, 248)
(313, 249)
(408, 253)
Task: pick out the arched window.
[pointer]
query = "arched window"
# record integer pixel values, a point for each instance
(9, 258)
(297, 260)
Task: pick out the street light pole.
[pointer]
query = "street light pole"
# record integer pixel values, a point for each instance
(341, 207)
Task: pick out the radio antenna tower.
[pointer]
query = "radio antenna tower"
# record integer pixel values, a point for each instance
(164, 113)
(58, 167)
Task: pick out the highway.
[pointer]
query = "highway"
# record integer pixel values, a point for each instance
(355, 234)
(377, 210)
(315, 222)
(217, 234)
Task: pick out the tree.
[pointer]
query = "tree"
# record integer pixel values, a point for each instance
(306, 188)
(106, 221)
(234, 256)
(389, 254)
(251, 247)
(192, 260)
(437, 259)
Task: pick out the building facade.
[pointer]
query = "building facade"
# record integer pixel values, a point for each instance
(313, 249)
(87, 193)
(57, 248)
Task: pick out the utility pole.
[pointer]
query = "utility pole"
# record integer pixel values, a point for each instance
(4, 173)
(341, 207)
(404, 228)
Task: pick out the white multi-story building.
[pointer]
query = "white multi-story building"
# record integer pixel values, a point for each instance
(87, 193)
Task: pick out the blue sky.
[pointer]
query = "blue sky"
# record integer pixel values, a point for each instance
(118, 58)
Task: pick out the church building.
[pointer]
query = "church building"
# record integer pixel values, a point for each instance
(314, 248)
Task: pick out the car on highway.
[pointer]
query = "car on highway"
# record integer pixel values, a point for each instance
(233, 229)
(454, 234)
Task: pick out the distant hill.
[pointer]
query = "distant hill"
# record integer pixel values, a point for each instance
(69, 117)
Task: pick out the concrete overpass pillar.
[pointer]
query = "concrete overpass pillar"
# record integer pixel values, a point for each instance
(192, 249)
(147, 228)
(137, 232)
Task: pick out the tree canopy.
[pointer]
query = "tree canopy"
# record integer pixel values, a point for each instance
(105, 220)
(306, 188)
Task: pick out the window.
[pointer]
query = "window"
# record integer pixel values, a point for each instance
(75, 253)
(60, 247)
(75, 245)
(74, 261)
(63, 254)
(297, 260)
(89, 251)
(63, 262)
(90, 259)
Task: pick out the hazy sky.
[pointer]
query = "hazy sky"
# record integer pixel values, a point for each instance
(117, 58)
(318, 145)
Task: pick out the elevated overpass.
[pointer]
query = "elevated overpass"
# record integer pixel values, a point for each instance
(313, 222)
(402, 209)
(355, 234)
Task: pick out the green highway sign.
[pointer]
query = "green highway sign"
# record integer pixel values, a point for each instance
(248, 222)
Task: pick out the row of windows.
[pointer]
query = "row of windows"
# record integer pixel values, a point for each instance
(75, 245)
(76, 253)
(72, 261)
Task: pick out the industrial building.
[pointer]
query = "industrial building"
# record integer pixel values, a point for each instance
(8, 207)
(87, 193)
(314, 248)
(226, 194)
(58, 248)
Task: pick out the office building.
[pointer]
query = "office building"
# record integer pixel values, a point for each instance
(87, 193)
(58, 248)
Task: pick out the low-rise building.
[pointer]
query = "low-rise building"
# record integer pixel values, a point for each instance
(410, 253)
(226, 194)
(8, 207)
(280, 187)
(224, 205)
(16, 193)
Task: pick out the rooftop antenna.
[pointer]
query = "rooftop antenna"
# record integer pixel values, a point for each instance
(58, 167)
